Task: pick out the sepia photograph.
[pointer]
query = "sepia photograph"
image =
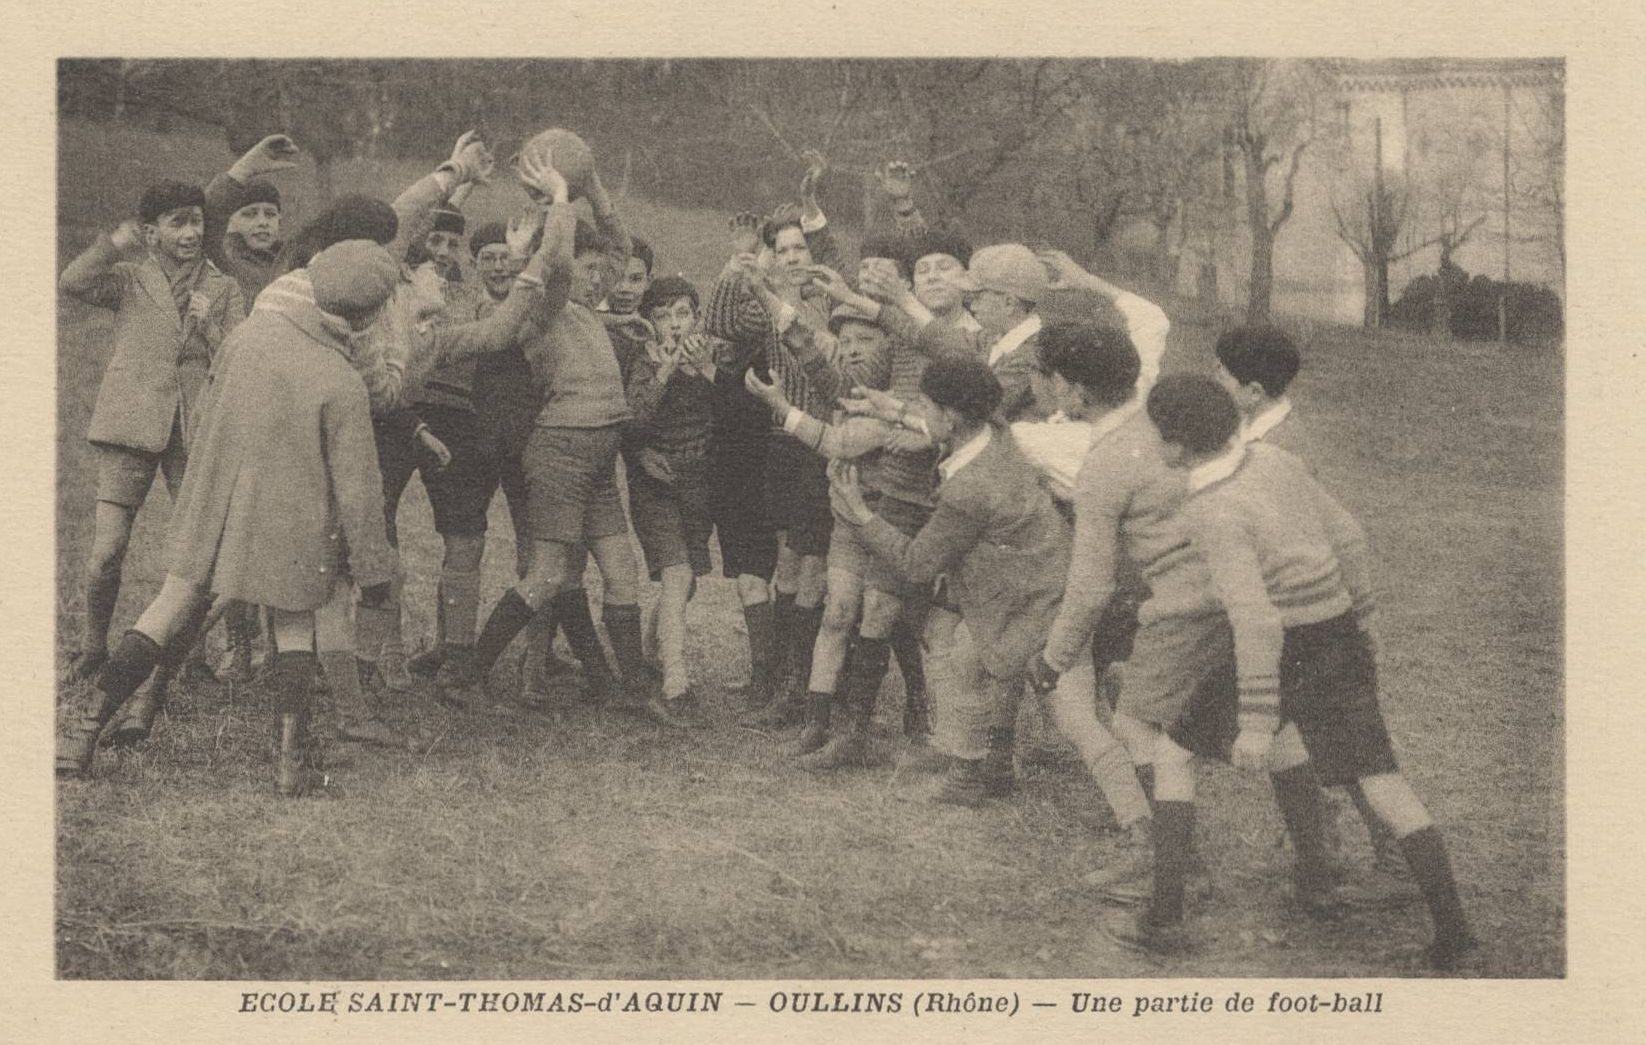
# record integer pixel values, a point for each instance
(753, 519)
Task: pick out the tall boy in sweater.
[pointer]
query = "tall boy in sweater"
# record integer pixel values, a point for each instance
(172, 308)
(1256, 365)
(1291, 569)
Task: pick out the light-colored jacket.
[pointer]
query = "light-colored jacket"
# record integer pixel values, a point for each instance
(283, 494)
(160, 359)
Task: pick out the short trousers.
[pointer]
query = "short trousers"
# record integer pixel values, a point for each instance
(571, 484)
(797, 496)
(849, 552)
(1117, 625)
(124, 475)
(459, 493)
(737, 504)
(672, 521)
(1170, 658)
(1328, 689)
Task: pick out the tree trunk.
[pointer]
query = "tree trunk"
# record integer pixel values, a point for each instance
(1260, 294)
(1165, 262)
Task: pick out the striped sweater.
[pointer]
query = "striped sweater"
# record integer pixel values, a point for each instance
(1281, 553)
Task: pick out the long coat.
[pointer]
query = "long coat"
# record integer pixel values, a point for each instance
(1004, 546)
(160, 360)
(283, 495)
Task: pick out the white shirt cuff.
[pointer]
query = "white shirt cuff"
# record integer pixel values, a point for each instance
(811, 225)
(791, 420)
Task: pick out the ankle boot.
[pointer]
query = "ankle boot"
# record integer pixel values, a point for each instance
(299, 770)
(918, 755)
(819, 707)
(850, 743)
(136, 720)
(126, 670)
(623, 629)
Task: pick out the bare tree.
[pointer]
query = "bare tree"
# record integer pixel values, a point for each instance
(1272, 111)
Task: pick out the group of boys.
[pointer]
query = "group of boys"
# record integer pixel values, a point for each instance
(927, 462)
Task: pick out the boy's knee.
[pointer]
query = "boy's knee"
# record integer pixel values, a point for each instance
(752, 590)
(1394, 801)
(839, 613)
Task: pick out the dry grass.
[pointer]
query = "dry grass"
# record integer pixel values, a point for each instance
(580, 844)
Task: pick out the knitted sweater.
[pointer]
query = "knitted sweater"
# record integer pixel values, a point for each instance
(673, 415)
(452, 384)
(1281, 553)
(1126, 502)
(883, 451)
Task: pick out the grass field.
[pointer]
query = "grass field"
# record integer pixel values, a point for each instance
(579, 844)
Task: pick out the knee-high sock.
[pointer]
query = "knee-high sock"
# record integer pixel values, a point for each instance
(906, 648)
(623, 629)
(507, 618)
(1426, 856)
(783, 621)
(804, 624)
(578, 624)
(866, 669)
(1303, 807)
(460, 604)
(293, 674)
(393, 642)
(127, 669)
(102, 592)
(1173, 832)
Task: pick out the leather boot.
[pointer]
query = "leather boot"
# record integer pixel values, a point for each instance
(850, 743)
(819, 707)
(127, 669)
(918, 754)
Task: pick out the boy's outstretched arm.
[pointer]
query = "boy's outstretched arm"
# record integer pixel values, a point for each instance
(93, 276)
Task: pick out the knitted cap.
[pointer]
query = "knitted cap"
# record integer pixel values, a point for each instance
(258, 191)
(487, 234)
(448, 220)
(1010, 268)
(355, 217)
(168, 196)
(353, 277)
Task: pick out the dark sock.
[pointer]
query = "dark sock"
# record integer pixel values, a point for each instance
(1145, 779)
(1303, 807)
(128, 668)
(623, 629)
(102, 592)
(1426, 855)
(293, 681)
(906, 648)
(762, 646)
(572, 610)
(1173, 836)
(783, 628)
(867, 668)
(507, 618)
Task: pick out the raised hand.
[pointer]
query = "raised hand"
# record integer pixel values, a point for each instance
(127, 236)
(872, 402)
(786, 212)
(896, 180)
(518, 235)
(831, 282)
(470, 156)
(816, 167)
(277, 152)
(1062, 271)
(697, 354)
(537, 173)
(882, 283)
(745, 232)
